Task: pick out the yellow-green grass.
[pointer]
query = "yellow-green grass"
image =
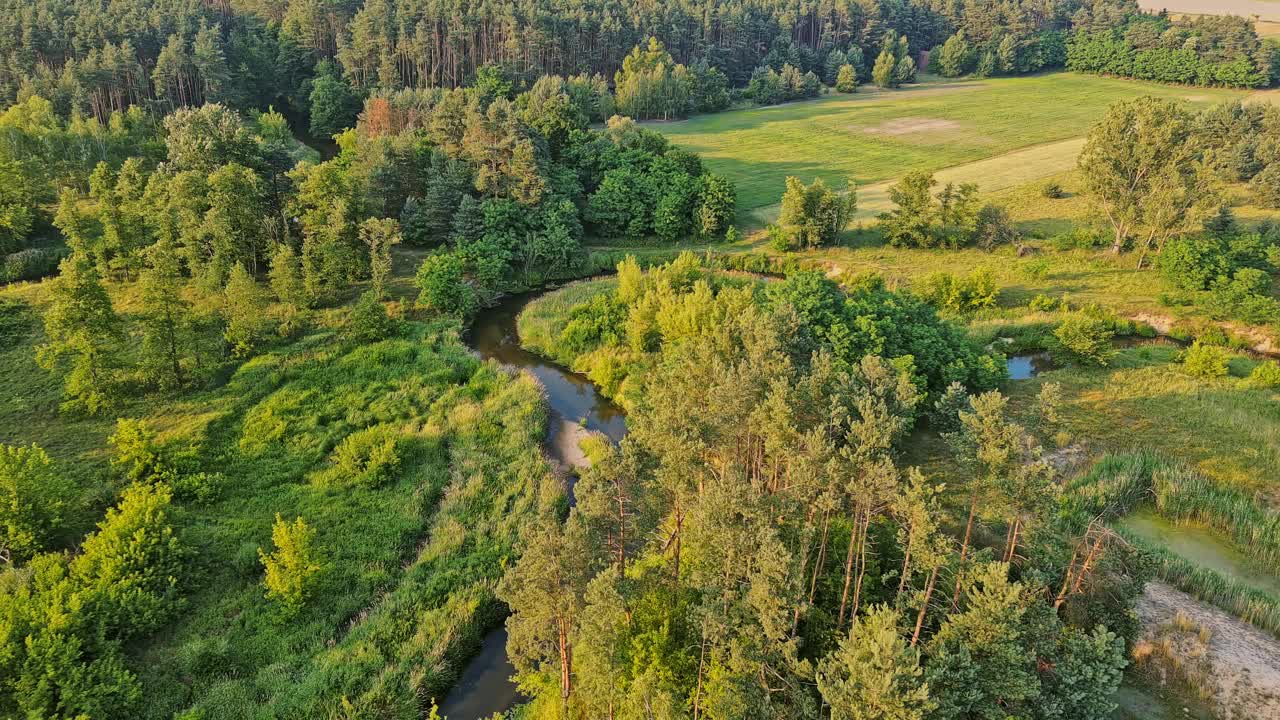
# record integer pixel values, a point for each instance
(874, 136)
(413, 561)
(1144, 399)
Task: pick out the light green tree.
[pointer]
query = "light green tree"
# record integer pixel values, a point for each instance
(380, 235)
(814, 214)
(846, 79)
(83, 336)
(33, 502)
(166, 323)
(874, 674)
(244, 312)
(295, 566)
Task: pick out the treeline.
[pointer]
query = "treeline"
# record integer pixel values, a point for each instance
(207, 205)
(1158, 172)
(756, 549)
(1209, 50)
(93, 59)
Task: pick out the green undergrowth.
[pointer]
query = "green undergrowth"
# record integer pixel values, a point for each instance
(413, 552)
(415, 463)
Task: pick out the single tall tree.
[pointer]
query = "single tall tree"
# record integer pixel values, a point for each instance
(84, 335)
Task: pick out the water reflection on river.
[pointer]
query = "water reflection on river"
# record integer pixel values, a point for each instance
(573, 403)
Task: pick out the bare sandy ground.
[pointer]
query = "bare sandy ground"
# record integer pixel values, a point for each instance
(1246, 661)
(908, 125)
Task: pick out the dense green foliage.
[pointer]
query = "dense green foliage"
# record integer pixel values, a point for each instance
(754, 549)
(952, 218)
(617, 337)
(1193, 50)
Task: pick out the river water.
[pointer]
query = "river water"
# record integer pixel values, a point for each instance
(574, 407)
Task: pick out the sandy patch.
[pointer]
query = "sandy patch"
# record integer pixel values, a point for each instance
(909, 125)
(1244, 661)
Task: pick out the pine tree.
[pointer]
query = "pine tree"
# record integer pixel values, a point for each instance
(380, 235)
(874, 674)
(166, 330)
(295, 566)
(83, 331)
(34, 501)
(846, 79)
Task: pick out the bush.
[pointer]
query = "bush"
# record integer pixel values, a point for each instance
(365, 458)
(296, 565)
(1265, 375)
(1085, 338)
(1078, 239)
(1052, 190)
(1206, 361)
(33, 500)
(957, 295)
(780, 239)
(597, 322)
(443, 286)
(1043, 303)
(370, 321)
(30, 264)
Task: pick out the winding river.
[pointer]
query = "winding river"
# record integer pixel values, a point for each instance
(574, 407)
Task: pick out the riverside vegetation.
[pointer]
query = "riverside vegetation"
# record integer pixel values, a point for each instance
(249, 467)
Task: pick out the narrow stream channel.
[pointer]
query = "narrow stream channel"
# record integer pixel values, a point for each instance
(573, 404)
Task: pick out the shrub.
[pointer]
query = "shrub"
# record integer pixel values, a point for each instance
(1265, 375)
(1207, 361)
(366, 458)
(369, 320)
(1042, 303)
(599, 321)
(958, 295)
(443, 286)
(30, 264)
(1086, 338)
(33, 499)
(296, 565)
(1078, 239)
(780, 239)
(1052, 190)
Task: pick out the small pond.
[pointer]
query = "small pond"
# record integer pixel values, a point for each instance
(1027, 366)
(1201, 547)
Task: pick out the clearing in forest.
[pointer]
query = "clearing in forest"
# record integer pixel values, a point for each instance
(876, 136)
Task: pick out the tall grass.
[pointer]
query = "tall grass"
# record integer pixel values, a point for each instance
(1118, 483)
(1185, 496)
(1256, 607)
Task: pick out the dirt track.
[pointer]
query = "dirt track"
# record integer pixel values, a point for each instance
(1246, 661)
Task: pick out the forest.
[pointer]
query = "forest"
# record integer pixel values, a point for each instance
(655, 360)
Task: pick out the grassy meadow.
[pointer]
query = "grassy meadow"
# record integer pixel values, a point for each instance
(874, 136)
(411, 559)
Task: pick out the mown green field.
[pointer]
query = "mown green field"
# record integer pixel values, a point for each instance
(873, 136)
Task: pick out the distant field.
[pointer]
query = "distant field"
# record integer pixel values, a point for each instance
(1265, 9)
(875, 136)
